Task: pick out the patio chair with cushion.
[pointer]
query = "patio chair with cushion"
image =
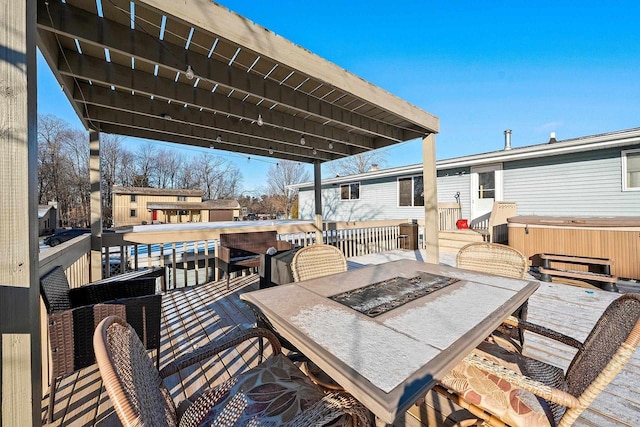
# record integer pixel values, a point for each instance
(506, 387)
(274, 393)
(317, 261)
(73, 313)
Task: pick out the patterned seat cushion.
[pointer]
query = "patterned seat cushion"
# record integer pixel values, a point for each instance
(271, 394)
(507, 402)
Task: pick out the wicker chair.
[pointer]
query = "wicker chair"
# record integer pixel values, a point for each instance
(504, 261)
(317, 261)
(507, 387)
(72, 315)
(274, 393)
(493, 258)
(308, 263)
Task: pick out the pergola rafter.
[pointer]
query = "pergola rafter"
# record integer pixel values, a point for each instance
(146, 54)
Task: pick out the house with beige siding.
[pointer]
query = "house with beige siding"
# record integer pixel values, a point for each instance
(142, 205)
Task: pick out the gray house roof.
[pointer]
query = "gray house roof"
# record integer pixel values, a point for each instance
(586, 143)
(43, 209)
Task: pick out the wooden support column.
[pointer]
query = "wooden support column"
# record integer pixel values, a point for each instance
(430, 199)
(317, 190)
(96, 205)
(20, 381)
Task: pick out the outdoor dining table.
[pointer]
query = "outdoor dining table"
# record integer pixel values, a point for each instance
(386, 333)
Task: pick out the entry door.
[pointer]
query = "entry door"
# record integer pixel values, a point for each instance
(486, 188)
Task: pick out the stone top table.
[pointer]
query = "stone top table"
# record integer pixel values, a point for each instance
(388, 332)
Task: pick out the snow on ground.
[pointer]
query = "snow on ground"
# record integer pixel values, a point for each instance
(214, 225)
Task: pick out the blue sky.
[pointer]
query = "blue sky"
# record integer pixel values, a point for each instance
(481, 67)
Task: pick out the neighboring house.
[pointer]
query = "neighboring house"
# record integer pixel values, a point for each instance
(594, 175)
(141, 205)
(47, 218)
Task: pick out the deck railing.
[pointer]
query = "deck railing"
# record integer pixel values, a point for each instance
(448, 214)
(189, 255)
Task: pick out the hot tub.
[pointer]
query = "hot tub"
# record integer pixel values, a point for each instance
(616, 238)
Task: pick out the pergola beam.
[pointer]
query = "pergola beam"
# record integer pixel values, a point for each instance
(239, 30)
(124, 78)
(217, 124)
(126, 124)
(118, 38)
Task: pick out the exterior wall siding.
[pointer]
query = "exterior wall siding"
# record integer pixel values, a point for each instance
(378, 201)
(455, 181)
(122, 206)
(582, 184)
(579, 184)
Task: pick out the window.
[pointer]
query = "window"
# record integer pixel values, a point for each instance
(487, 185)
(631, 170)
(350, 191)
(133, 213)
(182, 198)
(411, 191)
(133, 199)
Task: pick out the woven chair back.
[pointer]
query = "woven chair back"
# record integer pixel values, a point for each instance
(618, 329)
(132, 382)
(256, 242)
(54, 288)
(317, 261)
(493, 258)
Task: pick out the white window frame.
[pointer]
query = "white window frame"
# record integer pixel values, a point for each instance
(348, 185)
(413, 201)
(624, 154)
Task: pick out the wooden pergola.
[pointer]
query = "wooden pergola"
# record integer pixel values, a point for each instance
(189, 72)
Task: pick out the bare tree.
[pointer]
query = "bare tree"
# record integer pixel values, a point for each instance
(54, 165)
(359, 163)
(216, 177)
(77, 148)
(168, 165)
(147, 165)
(279, 177)
(115, 161)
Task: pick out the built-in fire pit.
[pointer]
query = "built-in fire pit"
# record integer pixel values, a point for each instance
(378, 298)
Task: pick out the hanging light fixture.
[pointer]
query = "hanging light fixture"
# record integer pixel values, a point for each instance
(330, 145)
(189, 73)
(315, 152)
(260, 122)
(219, 139)
(270, 150)
(211, 145)
(302, 141)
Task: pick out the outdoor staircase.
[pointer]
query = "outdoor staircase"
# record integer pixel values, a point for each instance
(456, 239)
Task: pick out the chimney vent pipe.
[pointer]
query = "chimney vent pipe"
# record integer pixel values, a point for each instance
(552, 138)
(507, 139)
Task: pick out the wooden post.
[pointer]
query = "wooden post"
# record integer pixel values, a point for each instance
(430, 199)
(20, 370)
(317, 187)
(96, 207)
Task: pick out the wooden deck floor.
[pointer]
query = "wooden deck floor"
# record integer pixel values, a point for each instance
(196, 315)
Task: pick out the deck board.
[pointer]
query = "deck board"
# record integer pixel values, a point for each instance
(207, 312)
